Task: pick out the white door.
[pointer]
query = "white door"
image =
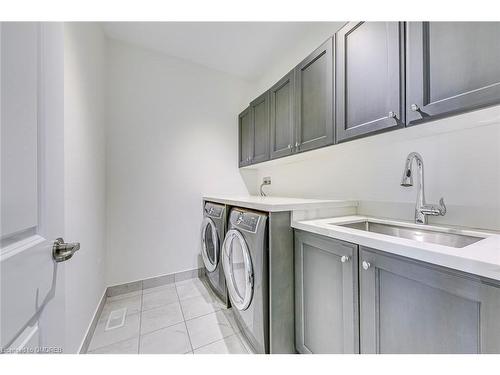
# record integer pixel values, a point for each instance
(32, 305)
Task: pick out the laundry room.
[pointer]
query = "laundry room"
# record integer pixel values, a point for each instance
(273, 184)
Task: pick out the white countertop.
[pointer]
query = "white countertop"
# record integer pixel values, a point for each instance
(481, 258)
(279, 204)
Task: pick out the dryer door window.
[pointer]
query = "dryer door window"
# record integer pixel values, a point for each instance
(238, 269)
(209, 244)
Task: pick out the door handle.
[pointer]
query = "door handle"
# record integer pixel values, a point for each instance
(62, 251)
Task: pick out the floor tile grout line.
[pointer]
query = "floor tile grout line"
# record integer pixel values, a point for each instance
(159, 329)
(222, 339)
(213, 342)
(159, 288)
(201, 316)
(105, 346)
(208, 294)
(184, 320)
(160, 306)
(171, 325)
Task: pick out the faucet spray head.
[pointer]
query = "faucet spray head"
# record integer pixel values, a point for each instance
(407, 179)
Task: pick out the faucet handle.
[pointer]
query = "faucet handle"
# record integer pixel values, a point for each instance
(442, 207)
(432, 209)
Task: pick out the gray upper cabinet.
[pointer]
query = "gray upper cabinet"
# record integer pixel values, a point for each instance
(374, 77)
(326, 295)
(259, 109)
(282, 116)
(413, 307)
(452, 67)
(314, 99)
(245, 138)
(369, 78)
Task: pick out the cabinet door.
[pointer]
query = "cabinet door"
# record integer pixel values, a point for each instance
(245, 138)
(452, 67)
(282, 116)
(369, 78)
(326, 295)
(260, 122)
(314, 99)
(412, 307)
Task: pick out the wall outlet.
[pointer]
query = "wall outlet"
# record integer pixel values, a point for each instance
(266, 181)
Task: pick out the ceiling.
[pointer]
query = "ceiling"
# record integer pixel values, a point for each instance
(243, 49)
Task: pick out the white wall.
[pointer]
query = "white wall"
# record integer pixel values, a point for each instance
(85, 177)
(461, 159)
(172, 137)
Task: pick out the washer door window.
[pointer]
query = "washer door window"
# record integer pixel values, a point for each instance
(209, 244)
(238, 269)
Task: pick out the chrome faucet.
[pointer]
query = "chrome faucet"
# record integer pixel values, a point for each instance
(422, 210)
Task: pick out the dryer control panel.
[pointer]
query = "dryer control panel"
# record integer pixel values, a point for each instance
(245, 220)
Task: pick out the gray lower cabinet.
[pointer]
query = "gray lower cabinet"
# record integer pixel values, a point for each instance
(413, 307)
(314, 99)
(245, 138)
(259, 109)
(369, 78)
(452, 67)
(281, 97)
(326, 295)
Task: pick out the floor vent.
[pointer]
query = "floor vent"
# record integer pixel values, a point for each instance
(116, 319)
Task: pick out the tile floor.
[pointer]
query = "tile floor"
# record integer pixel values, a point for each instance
(183, 317)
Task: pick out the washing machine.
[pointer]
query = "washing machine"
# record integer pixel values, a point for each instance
(212, 235)
(245, 262)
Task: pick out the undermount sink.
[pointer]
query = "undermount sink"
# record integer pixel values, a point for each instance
(416, 234)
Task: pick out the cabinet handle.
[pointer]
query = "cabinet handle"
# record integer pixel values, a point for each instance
(344, 258)
(414, 108)
(392, 114)
(366, 265)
